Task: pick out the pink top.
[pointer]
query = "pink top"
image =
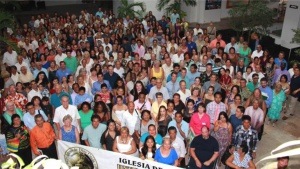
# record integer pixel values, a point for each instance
(213, 43)
(196, 123)
(140, 51)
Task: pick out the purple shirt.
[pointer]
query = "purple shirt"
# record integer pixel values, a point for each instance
(278, 73)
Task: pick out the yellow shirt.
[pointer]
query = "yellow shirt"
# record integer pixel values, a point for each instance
(155, 107)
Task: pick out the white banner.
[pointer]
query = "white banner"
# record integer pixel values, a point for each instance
(93, 158)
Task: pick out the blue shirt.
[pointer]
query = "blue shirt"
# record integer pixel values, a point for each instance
(55, 100)
(29, 119)
(36, 72)
(184, 128)
(158, 138)
(170, 160)
(100, 14)
(174, 17)
(191, 76)
(186, 79)
(97, 86)
(278, 62)
(191, 46)
(60, 73)
(93, 135)
(149, 86)
(267, 94)
(169, 76)
(169, 86)
(82, 98)
(235, 122)
(112, 79)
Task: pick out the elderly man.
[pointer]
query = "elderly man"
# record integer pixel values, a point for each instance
(42, 138)
(130, 117)
(55, 97)
(63, 110)
(21, 63)
(19, 99)
(60, 56)
(39, 69)
(10, 57)
(25, 76)
(158, 88)
(204, 150)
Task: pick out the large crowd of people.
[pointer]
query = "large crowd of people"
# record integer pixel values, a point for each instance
(153, 88)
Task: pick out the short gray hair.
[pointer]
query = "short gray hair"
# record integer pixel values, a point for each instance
(67, 117)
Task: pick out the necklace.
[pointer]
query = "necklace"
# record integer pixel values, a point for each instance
(123, 141)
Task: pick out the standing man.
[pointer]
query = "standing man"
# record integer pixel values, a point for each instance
(173, 85)
(93, 132)
(204, 150)
(63, 110)
(214, 108)
(178, 145)
(111, 76)
(257, 117)
(158, 88)
(211, 82)
(97, 85)
(245, 134)
(130, 117)
(63, 71)
(183, 92)
(42, 138)
(71, 62)
(34, 91)
(266, 92)
(236, 119)
(9, 57)
(174, 16)
(192, 74)
(198, 30)
(181, 126)
(295, 93)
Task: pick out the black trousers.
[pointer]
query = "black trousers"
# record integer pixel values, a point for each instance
(50, 151)
(26, 155)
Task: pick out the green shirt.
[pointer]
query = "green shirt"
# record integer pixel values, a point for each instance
(8, 117)
(85, 118)
(71, 63)
(252, 87)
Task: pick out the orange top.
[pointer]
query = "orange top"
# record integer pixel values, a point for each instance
(41, 137)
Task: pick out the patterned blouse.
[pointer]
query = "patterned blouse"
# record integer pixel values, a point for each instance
(19, 100)
(242, 164)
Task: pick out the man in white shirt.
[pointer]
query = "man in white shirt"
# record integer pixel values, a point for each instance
(20, 63)
(28, 45)
(183, 92)
(258, 52)
(34, 91)
(60, 56)
(167, 67)
(156, 49)
(63, 110)
(118, 69)
(10, 57)
(197, 30)
(37, 21)
(232, 44)
(130, 117)
(177, 143)
(176, 58)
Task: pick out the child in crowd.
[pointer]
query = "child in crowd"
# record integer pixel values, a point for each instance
(44, 91)
(47, 108)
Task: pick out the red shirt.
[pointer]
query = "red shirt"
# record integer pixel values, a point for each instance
(196, 123)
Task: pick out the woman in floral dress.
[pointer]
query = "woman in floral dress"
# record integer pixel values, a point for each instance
(276, 106)
(223, 133)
